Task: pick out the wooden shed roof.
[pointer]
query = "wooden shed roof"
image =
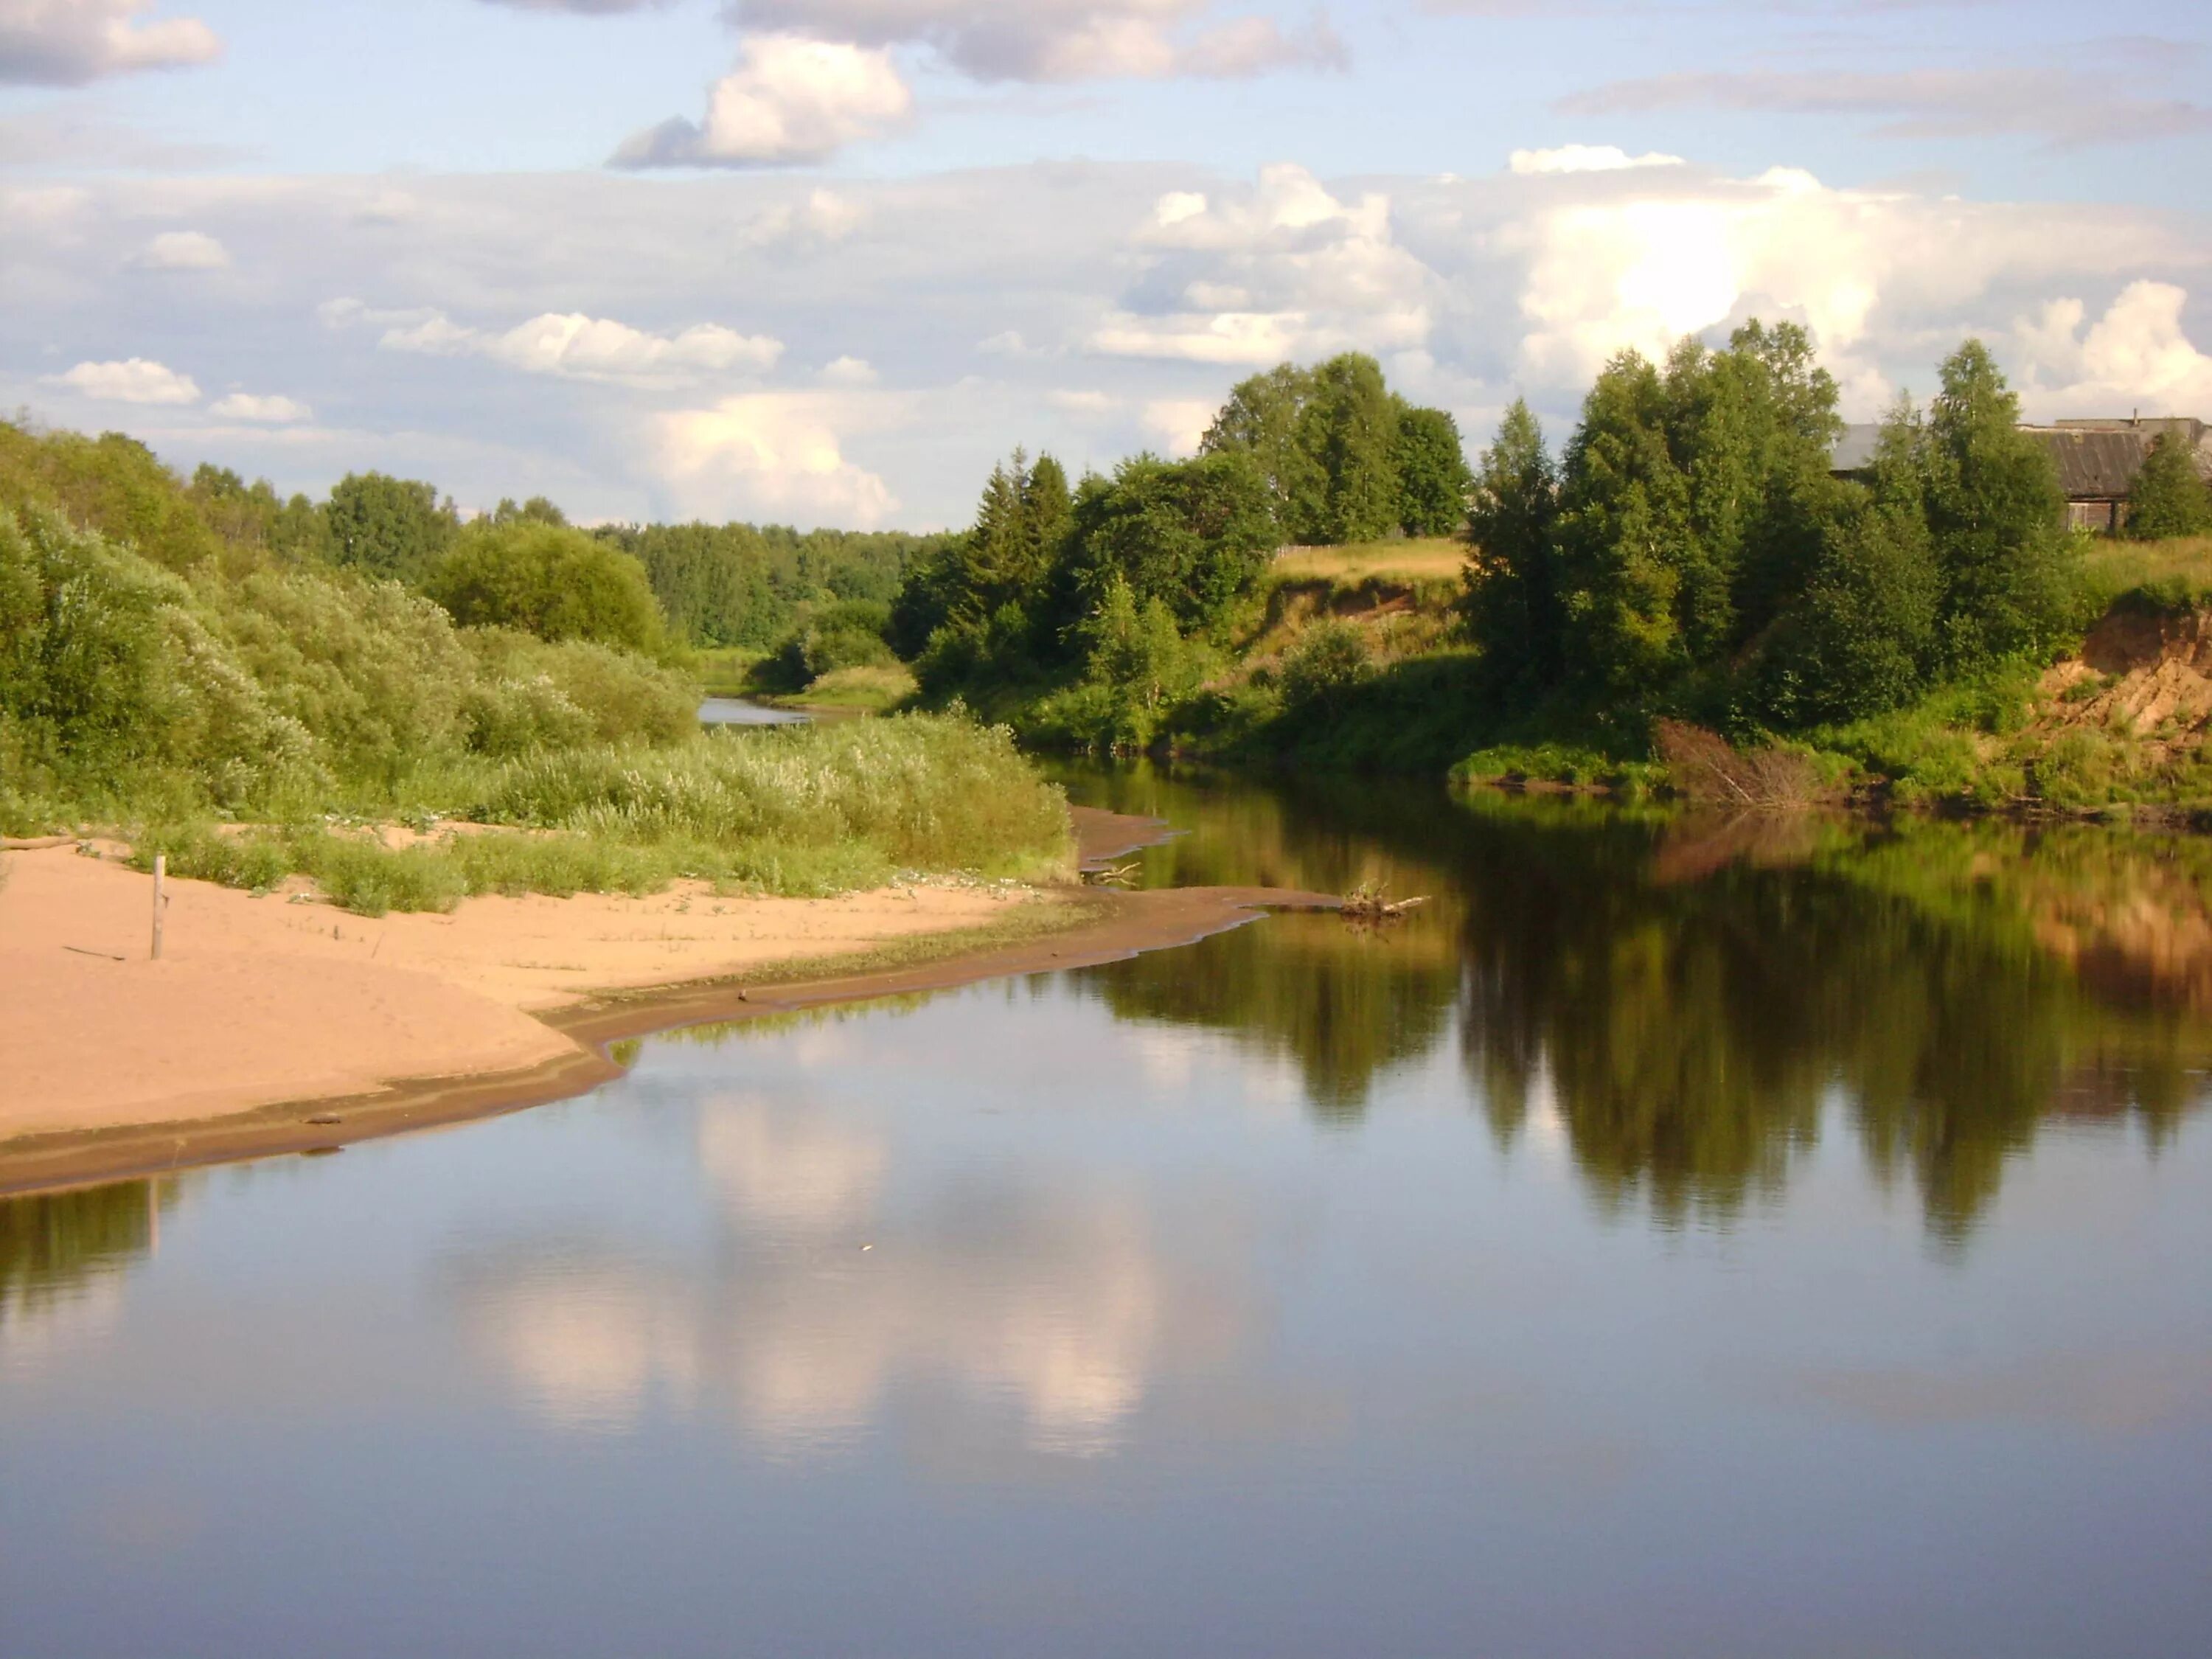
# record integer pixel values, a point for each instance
(2096, 464)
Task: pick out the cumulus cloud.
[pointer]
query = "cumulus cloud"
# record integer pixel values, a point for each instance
(849, 371)
(774, 455)
(269, 411)
(2057, 105)
(1282, 268)
(572, 345)
(1062, 39)
(132, 380)
(2136, 356)
(182, 250)
(1586, 158)
(1178, 424)
(1170, 280)
(790, 99)
(823, 216)
(68, 42)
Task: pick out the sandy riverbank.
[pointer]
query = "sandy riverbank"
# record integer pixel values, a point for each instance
(115, 1063)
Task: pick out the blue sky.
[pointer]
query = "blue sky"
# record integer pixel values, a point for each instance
(822, 259)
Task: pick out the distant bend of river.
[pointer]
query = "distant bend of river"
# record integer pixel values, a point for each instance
(743, 711)
(1675, 1237)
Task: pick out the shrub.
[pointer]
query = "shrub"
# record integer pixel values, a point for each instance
(1330, 659)
(549, 581)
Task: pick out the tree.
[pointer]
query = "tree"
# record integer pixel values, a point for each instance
(535, 510)
(1265, 419)
(1625, 535)
(2169, 498)
(1512, 598)
(1752, 429)
(388, 526)
(1349, 426)
(1432, 475)
(549, 581)
(1194, 534)
(1993, 508)
(1861, 638)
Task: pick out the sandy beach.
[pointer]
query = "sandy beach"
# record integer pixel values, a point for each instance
(262, 1004)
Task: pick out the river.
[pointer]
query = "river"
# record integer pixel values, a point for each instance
(1672, 1238)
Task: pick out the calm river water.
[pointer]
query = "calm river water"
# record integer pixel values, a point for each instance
(1672, 1239)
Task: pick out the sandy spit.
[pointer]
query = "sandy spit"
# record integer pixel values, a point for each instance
(112, 1063)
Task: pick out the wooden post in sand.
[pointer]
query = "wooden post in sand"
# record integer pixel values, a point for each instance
(161, 872)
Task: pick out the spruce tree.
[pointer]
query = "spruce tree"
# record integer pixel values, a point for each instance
(1512, 600)
(2169, 498)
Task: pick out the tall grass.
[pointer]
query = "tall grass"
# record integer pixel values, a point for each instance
(793, 811)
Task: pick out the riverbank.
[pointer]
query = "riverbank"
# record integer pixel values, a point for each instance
(274, 1025)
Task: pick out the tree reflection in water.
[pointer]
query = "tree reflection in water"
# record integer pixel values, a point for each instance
(1687, 996)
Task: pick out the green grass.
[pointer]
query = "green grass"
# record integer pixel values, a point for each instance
(798, 810)
(2173, 574)
(876, 690)
(724, 670)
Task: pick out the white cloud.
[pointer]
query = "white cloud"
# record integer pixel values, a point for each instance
(849, 371)
(1281, 270)
(775, 455)
(1586, 158)
(790, 99)
(67, 43)
(1062, 39)
(2136, 357)
(1471, 291)
(1082, 404)
(269, 411)
(572, 345)
(823, 217)
(1179, 423)
(183, 250)
(132, 380)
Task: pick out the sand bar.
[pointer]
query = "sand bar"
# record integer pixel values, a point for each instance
(112, 1063)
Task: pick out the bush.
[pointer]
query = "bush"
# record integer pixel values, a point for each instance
(1330, 659)
(849, 634)
(549, 581)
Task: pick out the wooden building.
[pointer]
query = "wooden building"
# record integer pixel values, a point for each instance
(2097, 460)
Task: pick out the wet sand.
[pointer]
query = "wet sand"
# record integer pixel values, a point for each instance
(265, 1014)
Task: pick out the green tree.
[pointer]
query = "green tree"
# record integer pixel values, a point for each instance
(1861, 638)
(535, 510)
(1266, 419)
(1512, 595)
(388, 526)
(1994, 509)
(1351, 427)
(1625, 535)
(1138, 661)
(2169, 498)
(1751, 428)
(549, 580)
(1194, 535)
(1432, 475)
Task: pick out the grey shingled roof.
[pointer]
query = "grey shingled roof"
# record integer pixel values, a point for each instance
(2096, 465)
(2096, 461)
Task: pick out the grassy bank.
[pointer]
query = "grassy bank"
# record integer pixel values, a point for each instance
(252, 714)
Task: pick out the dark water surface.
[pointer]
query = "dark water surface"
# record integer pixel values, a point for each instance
(1675, 1239)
